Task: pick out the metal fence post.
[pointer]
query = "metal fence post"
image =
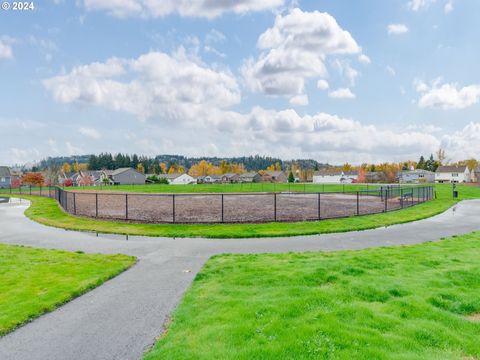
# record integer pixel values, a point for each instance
(401, 198)
(74, 204)
(222, 210)
(96, 204)
(319, 208)
(274, 206)
(173, 206)
(65, 195)
(358, 203)
(386, 201)
(126, 206)
(30, 189)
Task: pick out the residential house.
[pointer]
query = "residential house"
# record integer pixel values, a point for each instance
(178, 179)
(417, 176)
(66, 177)
(327, 177)
(476, 175)
(5, 177)
(230, 178)
(89, 178)
(123, 176)
(250, 177)
(274, 177)
(334, 177)
(453, 174)
(212, 179)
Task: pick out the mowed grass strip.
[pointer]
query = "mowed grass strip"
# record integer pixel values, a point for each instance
(409, 302)
(35, 281)
(47, 212)
(232, 188)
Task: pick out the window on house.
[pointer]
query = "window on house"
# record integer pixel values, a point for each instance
(454, 174)
(2, 180)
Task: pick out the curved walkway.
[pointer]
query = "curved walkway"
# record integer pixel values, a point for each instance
(120, 319)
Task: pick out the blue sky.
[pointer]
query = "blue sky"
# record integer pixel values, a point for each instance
(337, 81)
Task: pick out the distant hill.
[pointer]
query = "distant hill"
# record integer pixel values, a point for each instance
(251, 163)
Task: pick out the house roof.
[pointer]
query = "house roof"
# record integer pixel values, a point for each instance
(70, 175)
(327, 173)
(5, 171)
(249, 174)
(93, 173)
(451, 169)
(214, 176)
(120, 170)
(275, 173)
(171, 176)
(416, 171)
(350, 173)
(230, 175)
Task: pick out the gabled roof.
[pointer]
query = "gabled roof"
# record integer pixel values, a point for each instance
(214, 176)
(274, 173)
(451, 169)
(416, 171)
(120, 170)
(327, 173)
(171, 176)
(5, 171)
(92, 173)
(249, 174)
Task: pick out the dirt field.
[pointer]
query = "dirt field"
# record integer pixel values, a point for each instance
(228, 208)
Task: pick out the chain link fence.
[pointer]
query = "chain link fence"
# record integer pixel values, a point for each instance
(232, 207)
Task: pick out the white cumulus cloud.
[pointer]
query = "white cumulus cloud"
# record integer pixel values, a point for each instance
(463, 144)
(152, 84)
(439, 95)
(342, 93)
(295, 49)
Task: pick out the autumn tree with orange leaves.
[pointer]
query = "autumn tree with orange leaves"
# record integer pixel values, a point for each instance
(34, 179)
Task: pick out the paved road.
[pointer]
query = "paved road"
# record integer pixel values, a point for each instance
(120, 319)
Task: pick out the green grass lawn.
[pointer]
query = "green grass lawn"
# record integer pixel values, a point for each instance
(217, 188)
(35, 281)
(47, 211)
(408, 302)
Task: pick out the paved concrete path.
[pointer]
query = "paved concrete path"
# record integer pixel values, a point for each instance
(120, 319)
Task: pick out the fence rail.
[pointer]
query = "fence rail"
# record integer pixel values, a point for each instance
(231, 207)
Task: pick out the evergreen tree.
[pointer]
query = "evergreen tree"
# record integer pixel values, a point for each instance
(421, 163)
(291, 178)
(134, 162)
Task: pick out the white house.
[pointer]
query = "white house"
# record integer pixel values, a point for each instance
(179, 179)
(453, 174)
(334, 177)
(417, 176)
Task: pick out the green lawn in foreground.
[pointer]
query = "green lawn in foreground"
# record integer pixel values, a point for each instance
(406, 302)
(35, 281)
